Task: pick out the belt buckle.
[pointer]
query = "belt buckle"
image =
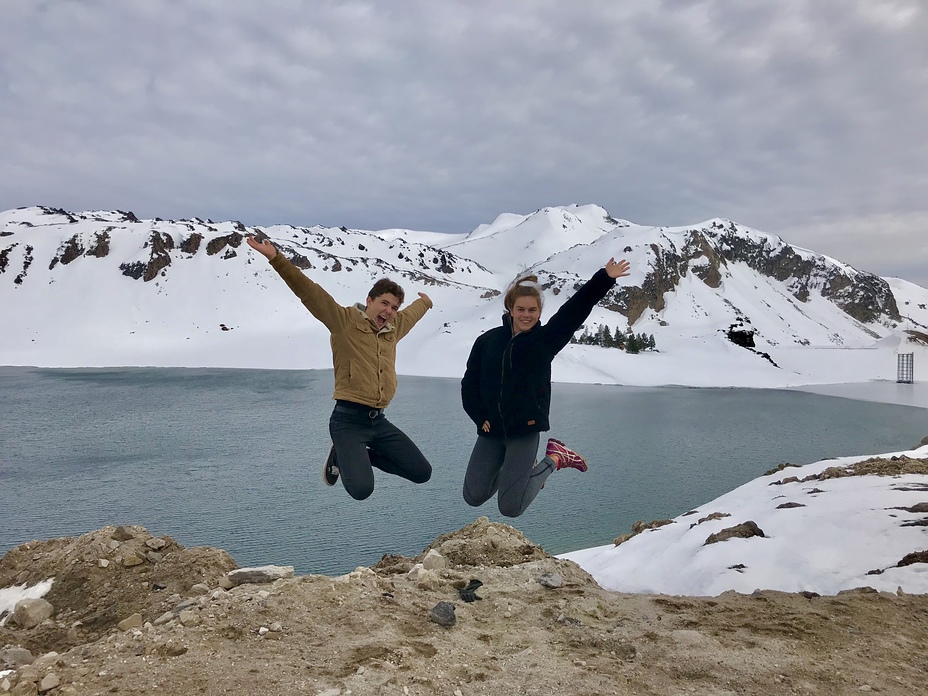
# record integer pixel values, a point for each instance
(373, 413)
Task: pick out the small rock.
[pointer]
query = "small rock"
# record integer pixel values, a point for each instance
(25, 689)
(132, 560)
(434, 560)
(164, 618)
(49, 682)
(443, 614)
(276, 627)
(154, 556)
(188, 617)
(200, 588)
(134, 621)
(155, 543)
(122, 534)
(5, 685)
(413, 573)
(114, 545)
(552, 580)
(15, 657)
(28, 673)
(103, 563)
(330, 692)
(45, 661)
(745, 530)
(263, 631)
(427, 580)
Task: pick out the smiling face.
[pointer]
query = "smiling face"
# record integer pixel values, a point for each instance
(382, 309)
(525, 313)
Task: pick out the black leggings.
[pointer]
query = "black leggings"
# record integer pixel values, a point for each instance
(506, 465)
(364, 439)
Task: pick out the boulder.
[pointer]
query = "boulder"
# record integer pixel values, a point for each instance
(31, 612)
(258, 574)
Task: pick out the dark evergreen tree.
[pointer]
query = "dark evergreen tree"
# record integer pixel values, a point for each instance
(619, 339)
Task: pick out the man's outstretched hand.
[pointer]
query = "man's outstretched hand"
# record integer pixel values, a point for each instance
(264, 246)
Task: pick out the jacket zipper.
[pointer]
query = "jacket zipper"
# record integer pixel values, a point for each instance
(502, 378)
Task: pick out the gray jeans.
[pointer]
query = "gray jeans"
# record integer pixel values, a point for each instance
(506, 466)
(364, 439)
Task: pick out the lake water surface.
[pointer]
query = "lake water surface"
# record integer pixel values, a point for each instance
(232, 459)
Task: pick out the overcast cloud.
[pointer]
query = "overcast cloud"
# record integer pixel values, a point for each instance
(806, 119)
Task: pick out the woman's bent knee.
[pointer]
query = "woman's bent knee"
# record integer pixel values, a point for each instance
(509, 509)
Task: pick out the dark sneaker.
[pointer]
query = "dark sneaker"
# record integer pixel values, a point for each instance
(567, 458)
(330, 468)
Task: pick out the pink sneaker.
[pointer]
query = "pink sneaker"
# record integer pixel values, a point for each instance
(567, 458)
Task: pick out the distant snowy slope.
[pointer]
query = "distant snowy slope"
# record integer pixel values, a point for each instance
(912, 301)
(516, 242)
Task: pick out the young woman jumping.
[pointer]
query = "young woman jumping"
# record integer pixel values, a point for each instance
(506, 391)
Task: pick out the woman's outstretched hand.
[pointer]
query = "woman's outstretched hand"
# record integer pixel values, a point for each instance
(617, 270)
(264, 246)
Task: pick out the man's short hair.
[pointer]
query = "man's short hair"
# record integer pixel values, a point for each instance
(384, 286)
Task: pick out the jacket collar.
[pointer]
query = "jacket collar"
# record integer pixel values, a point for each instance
(507, 322)
(386, 327)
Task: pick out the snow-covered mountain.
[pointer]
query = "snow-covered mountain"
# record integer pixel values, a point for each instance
(103, 288)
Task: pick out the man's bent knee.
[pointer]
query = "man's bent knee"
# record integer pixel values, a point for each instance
(421, 476)
(360, 492)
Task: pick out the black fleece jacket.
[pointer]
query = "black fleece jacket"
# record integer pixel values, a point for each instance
(508, 378)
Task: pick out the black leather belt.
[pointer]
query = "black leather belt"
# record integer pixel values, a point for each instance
(342, 406)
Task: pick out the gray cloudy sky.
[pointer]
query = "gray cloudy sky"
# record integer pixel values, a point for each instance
(804, 118)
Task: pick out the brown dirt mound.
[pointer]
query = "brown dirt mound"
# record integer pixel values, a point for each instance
(104, 576)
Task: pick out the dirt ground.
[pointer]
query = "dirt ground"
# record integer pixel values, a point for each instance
(541, 626)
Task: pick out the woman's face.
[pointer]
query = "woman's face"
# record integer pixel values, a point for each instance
(525, 313)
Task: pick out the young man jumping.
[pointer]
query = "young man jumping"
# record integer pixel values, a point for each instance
(363, 339)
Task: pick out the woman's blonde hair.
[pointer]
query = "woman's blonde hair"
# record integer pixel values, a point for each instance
(523, 286)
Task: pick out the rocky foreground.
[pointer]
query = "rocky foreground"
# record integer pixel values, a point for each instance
(130, 613)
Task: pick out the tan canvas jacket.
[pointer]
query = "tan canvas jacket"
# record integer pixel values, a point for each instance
(364, 358)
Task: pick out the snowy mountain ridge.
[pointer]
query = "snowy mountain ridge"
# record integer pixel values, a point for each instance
(105, 288)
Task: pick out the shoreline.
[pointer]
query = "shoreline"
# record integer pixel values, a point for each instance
(877, 391)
